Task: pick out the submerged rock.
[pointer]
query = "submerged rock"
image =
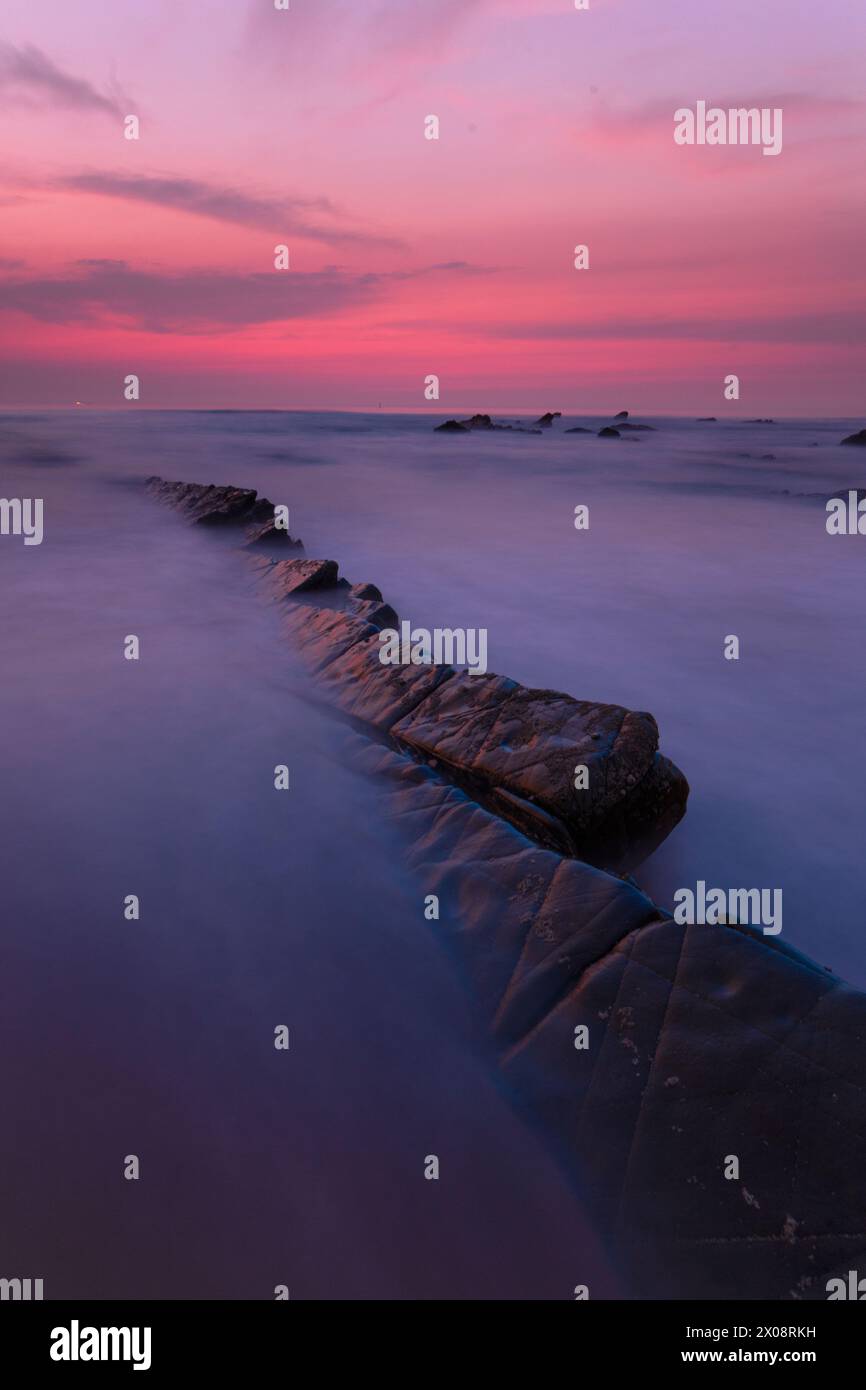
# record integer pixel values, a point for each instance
(859, 438)
(608, 432)
(707, 420)
(579, 429)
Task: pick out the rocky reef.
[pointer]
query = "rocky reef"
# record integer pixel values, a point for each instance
(514, 748)
(544, 422)
(650, 1053)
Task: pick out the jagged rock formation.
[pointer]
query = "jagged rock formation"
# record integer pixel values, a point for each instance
(206, 504)
(703, 1043)
(515, 749)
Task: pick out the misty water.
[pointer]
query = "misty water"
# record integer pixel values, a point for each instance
(259, 908)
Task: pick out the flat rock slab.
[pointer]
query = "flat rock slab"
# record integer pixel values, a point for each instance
(532, 741)
(703, 1042)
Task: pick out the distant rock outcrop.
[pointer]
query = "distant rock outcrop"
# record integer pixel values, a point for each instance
(859, 439)
(623, 415)
(545, 421)
(479, 422)
(609, 433)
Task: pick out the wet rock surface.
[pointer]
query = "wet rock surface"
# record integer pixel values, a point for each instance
(206, 504)
(514, 748)
(702, 1042)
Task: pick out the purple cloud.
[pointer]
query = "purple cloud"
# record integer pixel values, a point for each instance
(28, 71)
(195, 302)
(279, 216)
(198, 301)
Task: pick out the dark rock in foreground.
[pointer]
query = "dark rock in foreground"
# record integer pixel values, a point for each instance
(859, 438)
(703, 1042)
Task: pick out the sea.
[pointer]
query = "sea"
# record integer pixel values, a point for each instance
(304, 1168)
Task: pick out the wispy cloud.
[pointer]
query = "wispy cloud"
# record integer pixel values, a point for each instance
(26, 72)
(834, 326)
(200, 301)
(102, 291)
(287, 216)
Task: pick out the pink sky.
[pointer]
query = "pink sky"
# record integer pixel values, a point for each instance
(409, 256)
